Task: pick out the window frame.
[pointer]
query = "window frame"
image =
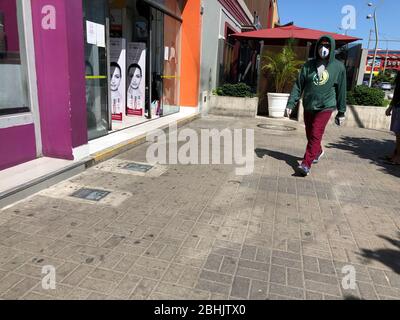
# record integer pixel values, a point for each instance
(24, 66)
(28, 115)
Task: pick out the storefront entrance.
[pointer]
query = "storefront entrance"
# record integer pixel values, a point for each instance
(132, 58)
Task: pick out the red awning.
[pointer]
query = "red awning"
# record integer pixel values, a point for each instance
(293, 32)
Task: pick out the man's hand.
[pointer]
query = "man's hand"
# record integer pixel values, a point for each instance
(340, 119)
(288, 112)
(389, 111)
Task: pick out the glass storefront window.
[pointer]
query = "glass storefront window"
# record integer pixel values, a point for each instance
(144, 46)
(95, 15)
(13, 79)
(172, 31)
(173, 6)
(163, 54)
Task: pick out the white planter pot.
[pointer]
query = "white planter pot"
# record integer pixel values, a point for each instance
(277, 103)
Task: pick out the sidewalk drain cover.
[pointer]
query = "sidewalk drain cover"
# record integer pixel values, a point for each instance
(276, 127)
(137, 167)
(90, 194)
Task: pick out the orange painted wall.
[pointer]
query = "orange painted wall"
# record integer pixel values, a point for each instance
(190, 53)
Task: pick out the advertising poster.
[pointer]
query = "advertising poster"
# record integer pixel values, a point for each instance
(118, 77)
(377, 62)
(136, 79)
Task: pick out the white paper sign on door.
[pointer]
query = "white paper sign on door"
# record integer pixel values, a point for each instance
(95, 34)
(91, 32)
(101, 35)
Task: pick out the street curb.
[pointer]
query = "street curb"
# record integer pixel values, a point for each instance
(115, 150)
(25, 190)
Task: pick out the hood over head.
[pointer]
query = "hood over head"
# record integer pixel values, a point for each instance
(332, 50)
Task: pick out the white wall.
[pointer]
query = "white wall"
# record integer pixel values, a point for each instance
(209, 44)
(214, 20)
(362, 68)
(225, 17)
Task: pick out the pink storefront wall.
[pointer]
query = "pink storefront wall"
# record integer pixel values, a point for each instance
(17, 145)
(60, 69)
(60, 77)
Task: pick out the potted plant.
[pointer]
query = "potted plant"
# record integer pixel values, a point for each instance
(284, 68)
(233, 100)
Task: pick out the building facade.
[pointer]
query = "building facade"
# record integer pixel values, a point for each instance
(223, 59)
(20, 132)
(73, 71)
(76, 70)
(265, 11)
(385, 60)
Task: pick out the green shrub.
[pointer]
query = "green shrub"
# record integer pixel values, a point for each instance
(234, 90)
(365, 96)
(387, 76)
(386, 103)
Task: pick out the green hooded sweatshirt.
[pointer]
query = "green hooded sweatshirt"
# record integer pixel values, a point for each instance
(327, 93)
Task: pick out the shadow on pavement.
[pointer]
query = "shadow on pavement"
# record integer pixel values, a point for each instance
(370, 149)
(389, 257)
(291, 161)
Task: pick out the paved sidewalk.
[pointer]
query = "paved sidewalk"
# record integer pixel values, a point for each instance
(201, 232)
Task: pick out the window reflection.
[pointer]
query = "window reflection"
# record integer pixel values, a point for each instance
(171, 64)
(13, 90)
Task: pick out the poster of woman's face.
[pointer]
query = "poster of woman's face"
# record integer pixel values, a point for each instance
(136, 79)
(116, 77)
(135, 76)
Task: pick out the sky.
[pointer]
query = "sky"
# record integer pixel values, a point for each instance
(327, 15)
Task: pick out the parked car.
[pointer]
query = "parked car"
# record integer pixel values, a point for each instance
(386, 86)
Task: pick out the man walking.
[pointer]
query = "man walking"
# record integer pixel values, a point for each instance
(394, 111)
(323, 82)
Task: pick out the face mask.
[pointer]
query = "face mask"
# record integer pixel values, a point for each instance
(324, 52)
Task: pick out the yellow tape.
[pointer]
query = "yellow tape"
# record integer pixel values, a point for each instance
(170, 77)
(95, 77)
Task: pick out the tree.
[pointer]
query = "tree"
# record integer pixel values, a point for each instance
(384, 77)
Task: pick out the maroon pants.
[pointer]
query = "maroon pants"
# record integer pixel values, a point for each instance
(315, 128)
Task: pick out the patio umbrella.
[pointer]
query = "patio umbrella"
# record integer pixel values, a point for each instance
(281, 34)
